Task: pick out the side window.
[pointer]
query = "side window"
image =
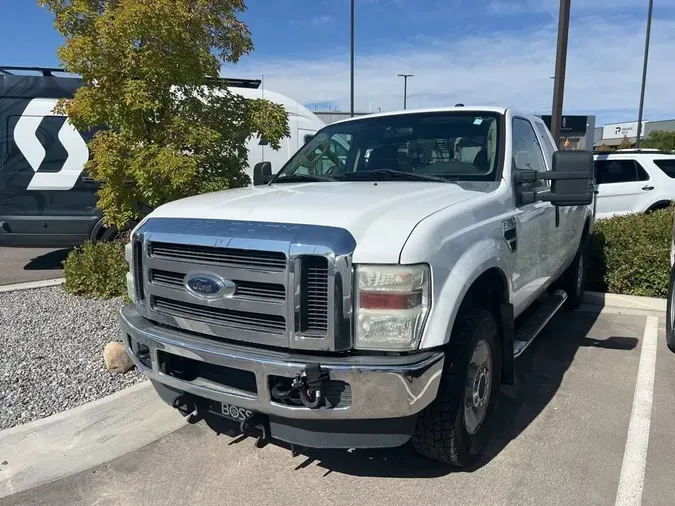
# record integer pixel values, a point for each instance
(527, 153)
(641, 172)
(549, 149)
(619, 171)
(328, 157)
(667, 166)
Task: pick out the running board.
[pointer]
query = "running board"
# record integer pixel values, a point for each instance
(530, 328)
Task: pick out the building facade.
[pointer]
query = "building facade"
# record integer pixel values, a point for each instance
(614, 133)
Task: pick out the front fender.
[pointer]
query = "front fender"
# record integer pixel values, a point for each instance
(452, 280)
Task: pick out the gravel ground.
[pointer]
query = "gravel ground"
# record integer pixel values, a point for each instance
(51, 353)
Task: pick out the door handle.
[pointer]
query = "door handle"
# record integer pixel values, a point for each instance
(647, 188)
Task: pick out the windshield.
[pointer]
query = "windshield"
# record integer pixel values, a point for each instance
(457, 146)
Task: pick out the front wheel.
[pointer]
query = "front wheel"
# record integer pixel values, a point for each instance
(455, 426)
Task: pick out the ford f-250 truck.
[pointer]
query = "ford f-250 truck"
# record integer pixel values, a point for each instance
(366, 299)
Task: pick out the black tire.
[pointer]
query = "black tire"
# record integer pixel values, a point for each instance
(670, 312)
(573, 280)
(113, 234)
(441, 431)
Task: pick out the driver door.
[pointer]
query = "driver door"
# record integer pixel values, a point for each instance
(535, 222)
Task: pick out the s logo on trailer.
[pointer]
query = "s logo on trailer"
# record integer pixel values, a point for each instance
(25, 137)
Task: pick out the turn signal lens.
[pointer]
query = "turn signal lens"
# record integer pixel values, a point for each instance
(380, 300)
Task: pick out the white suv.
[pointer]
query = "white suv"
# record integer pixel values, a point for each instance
(634, 181)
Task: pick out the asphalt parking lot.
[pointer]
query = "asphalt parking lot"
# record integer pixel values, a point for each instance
(19, 265)
(581, 426)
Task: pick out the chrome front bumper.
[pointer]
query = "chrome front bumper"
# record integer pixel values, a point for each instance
(381, 387)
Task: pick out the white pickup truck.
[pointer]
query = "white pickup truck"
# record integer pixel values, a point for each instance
(376, 289)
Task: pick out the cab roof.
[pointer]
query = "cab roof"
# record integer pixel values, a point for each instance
(477, 109)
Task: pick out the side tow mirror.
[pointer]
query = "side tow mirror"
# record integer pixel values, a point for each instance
(577, 189)
(572, 180)
(262, 173)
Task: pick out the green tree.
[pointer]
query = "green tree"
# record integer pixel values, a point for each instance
(167, 127)
(660, 139)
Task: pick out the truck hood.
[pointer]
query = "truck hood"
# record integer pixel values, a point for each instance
(380, 215)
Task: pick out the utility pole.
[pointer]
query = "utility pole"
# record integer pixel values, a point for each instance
(644, 73)
(405, 88)
(351, 77)
(560, 66)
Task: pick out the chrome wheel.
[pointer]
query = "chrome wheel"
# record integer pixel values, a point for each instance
(477, 388)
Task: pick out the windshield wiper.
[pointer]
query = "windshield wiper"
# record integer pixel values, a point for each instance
(294, 178)
(396, 174)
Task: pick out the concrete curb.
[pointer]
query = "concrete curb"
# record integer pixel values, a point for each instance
(631, 302)
(84, 437)
(30, 285)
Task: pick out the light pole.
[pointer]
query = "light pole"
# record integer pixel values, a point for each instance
(560, 66)
(351, 76)
(405, 88)
(644, 73)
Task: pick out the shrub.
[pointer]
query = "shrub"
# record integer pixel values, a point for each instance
(631, 254)
(96, 269)
(660, 139)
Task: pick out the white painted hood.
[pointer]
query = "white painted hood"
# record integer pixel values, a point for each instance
(379, 215)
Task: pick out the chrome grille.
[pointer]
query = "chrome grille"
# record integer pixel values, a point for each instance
(218, 316)
(270, 260)
(293, 282)
(315, 295)
(260, 291)
(245, 289)
(137, 253)
(166, 278)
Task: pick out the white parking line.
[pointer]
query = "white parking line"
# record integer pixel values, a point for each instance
(632, 477)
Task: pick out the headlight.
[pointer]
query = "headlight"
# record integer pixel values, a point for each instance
(392, 302)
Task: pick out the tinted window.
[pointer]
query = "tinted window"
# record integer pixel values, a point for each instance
(619, 171)
(527, 153)
(667, 166)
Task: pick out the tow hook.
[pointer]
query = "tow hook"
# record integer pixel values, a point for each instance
(308, 386)
(257, 426)
(188, 407)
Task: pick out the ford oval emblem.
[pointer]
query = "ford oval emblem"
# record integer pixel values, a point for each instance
(209, 286)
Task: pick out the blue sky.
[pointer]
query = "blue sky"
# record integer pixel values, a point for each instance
(492, 52)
